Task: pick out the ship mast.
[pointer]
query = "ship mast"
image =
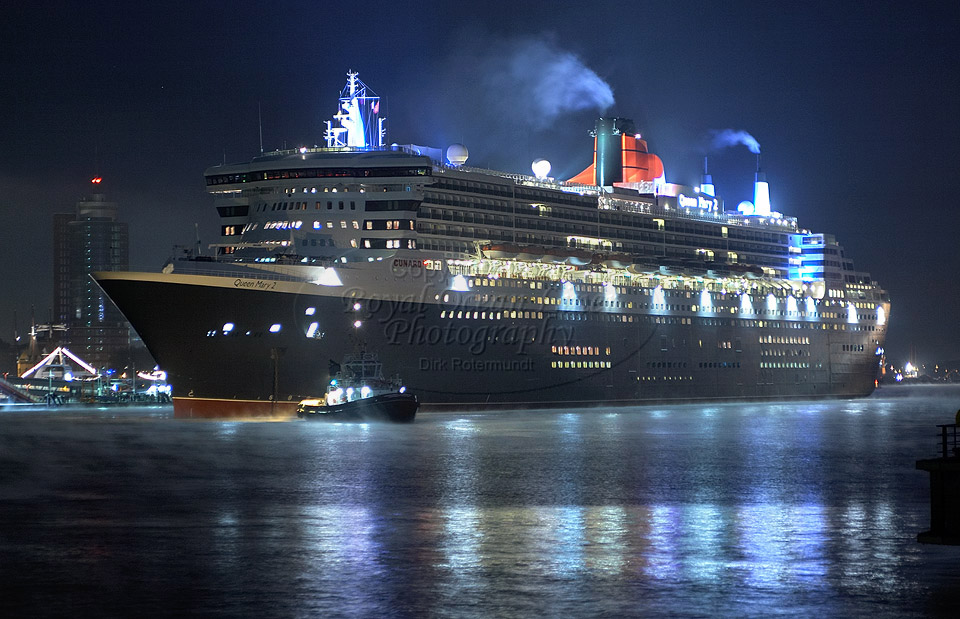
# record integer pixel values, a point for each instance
(358, 116)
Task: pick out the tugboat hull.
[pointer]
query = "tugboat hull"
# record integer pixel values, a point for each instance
(392, 407)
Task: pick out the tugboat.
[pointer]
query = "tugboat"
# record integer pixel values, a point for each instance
(361, 393)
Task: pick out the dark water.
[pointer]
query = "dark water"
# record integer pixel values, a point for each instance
(695, 510)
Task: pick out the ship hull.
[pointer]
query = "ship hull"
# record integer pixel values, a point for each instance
(236, 350)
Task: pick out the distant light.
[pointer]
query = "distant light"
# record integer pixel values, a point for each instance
(705, 302)
(356, 307)
(746, 305)
(569, 291)
(403, 389)
(357, 324)
(68, 376)
(227, 327)
(881, 315)
(851, 313)
(312, 329)
(771, 302)
(275, 328)
(365, 392)
(310, 311)
(303, 149)
(811, 305)
(96, 180)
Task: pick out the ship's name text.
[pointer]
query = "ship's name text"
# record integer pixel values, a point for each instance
(257, 284)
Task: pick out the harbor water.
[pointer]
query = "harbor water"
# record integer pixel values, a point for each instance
(755, 509)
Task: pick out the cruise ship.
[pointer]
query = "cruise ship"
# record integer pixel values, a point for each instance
(487, 289)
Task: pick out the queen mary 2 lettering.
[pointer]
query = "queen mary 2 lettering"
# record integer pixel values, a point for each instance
(487, 289)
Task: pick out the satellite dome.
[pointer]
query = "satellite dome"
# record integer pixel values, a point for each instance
(541, 168)
(746, 207)
(457, 154)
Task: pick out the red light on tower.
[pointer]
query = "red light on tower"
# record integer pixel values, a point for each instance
(96, 180)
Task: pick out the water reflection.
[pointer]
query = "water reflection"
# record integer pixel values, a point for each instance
(706, 510)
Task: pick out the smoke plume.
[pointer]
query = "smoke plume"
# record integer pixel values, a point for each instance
(729, 137)
(533, 81)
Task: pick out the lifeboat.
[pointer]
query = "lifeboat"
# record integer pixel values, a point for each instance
(530, 253)
(642, 268)
(554, 255)
(578, 257)
(617, 261)
(746, 270)
(500, 251)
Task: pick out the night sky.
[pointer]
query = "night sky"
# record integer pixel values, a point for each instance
(856, 107)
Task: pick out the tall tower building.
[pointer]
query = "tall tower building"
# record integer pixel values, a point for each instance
(87, 240)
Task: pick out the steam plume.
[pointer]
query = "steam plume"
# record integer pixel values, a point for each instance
(535, 81)
(729, 137)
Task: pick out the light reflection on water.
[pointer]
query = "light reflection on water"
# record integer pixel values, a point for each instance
(798, 508)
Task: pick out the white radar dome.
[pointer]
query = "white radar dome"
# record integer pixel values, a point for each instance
(541, 168)
(457, 154)
(746, 207)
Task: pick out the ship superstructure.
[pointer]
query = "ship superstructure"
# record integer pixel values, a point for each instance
(485, 288)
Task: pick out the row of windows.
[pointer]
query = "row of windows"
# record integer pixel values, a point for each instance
(585, 365)
(490, 315)
(270, 175)
(389, 243)
(302, 206)
(780, 339)
(784, 365)
(785, 353)
(578, 350)
(388, 224)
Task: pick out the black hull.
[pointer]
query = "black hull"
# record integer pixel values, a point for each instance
(392, 407)
(477, 363)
